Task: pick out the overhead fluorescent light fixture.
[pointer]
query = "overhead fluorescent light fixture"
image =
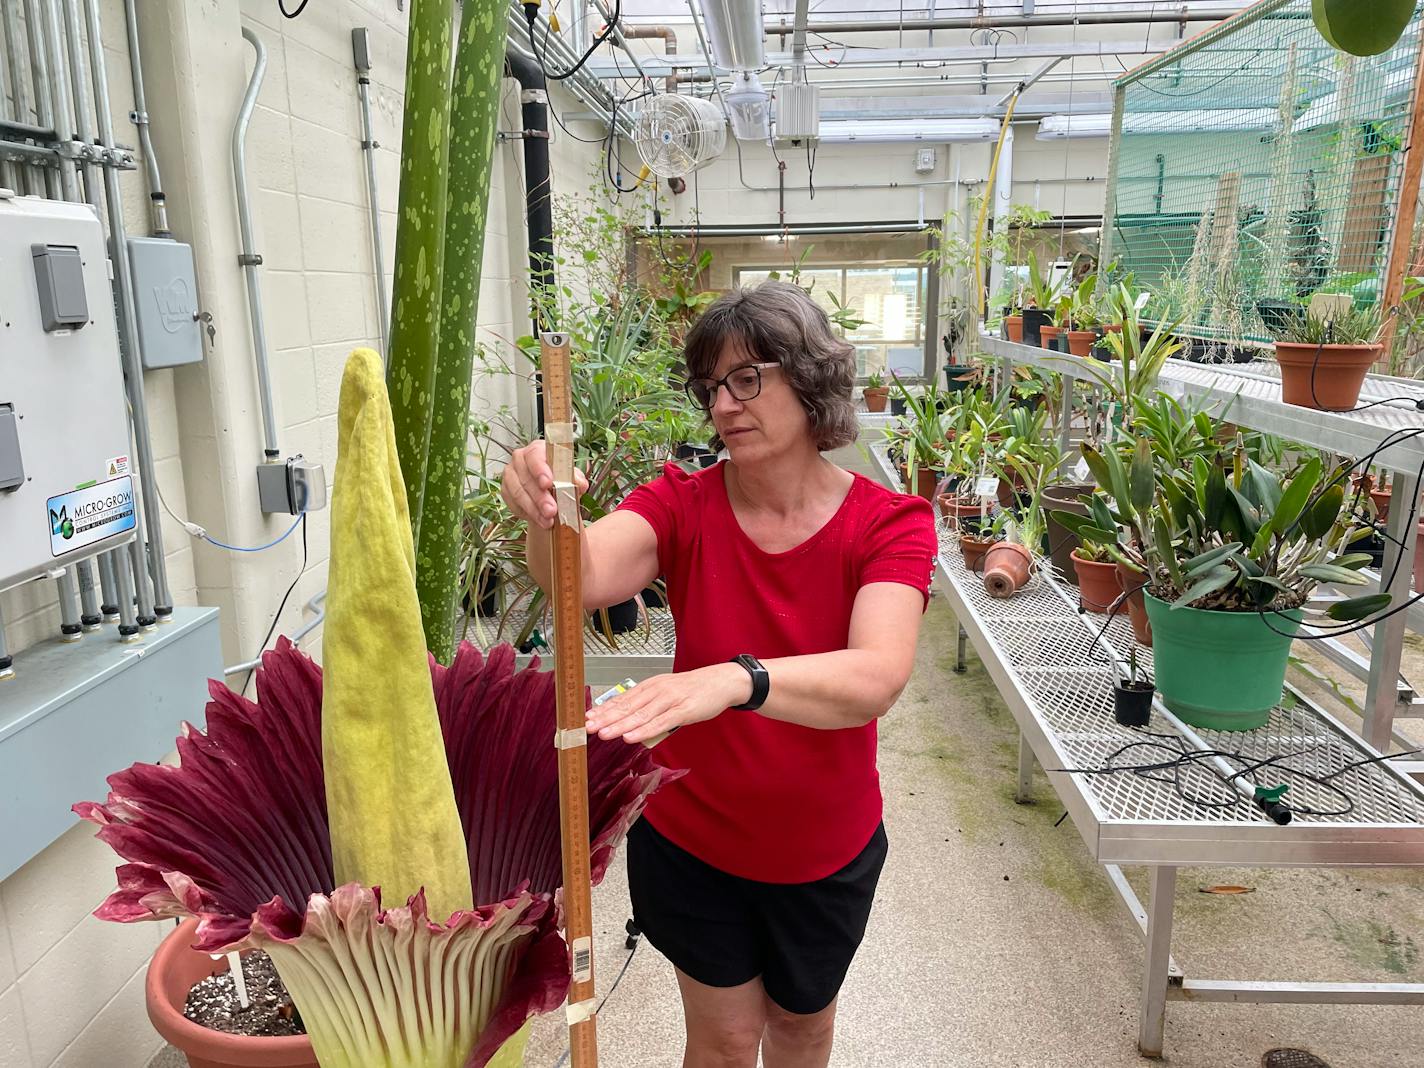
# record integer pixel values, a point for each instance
(937, 131)
(1226, 120)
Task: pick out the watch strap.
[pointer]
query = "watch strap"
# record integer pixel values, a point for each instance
(761, 682)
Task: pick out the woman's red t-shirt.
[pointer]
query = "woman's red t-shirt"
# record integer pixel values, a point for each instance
(763, 799)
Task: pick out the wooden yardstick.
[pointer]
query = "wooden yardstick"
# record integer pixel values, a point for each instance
(570, 736)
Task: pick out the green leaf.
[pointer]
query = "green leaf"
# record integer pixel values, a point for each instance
(1261, 488)
(1165, 551)
(1292, 502)
(1213, 497)
(1141, 478)
(1098, 467)
(1197, 564)
(1330, 573)
(1216, 579)
(1354, 561)
(1358, 608)
(1319, 517)
(1118, 483)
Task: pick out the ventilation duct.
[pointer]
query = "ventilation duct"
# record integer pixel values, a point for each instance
(734, 31)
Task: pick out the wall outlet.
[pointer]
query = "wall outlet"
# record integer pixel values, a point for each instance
(294, 486)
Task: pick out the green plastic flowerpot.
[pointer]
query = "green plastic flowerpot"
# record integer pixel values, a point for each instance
(1220, 670)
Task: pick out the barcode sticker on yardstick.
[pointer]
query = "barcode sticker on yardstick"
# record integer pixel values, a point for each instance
(583, 959)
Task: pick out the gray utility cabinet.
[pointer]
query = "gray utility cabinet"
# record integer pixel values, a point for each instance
(66, 488)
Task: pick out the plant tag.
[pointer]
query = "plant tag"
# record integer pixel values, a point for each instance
(1080, 471)
(234, 963)
(986, 486)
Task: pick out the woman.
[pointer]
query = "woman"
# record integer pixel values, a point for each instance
(797, 589)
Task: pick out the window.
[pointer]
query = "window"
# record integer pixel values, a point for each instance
(891, 298)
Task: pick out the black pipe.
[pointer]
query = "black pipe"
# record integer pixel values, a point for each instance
(538, 204)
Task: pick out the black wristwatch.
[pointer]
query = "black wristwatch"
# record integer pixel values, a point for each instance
(761, 681)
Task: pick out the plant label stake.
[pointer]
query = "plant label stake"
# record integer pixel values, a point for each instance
(571, 736)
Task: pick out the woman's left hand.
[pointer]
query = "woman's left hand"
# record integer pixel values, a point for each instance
(666, 702)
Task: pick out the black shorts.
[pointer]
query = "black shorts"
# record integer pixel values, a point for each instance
(723, 930)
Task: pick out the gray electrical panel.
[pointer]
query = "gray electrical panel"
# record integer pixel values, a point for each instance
(66, 489)
(165, 302)
(59, 282)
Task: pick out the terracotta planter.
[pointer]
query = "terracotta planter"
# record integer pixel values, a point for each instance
(1081, 342)
(1113, 328)
(955, 508)
(876, 398)
(1048, 335)
(1098, 590)
(1013, 327)
(175, 969)
(925, 482)
(1381, 497)
(974, 550)
(1061, 541)
(1338, 374)
(1008, 487)
(1007, 567)
(1132, 583)
(1419, 558)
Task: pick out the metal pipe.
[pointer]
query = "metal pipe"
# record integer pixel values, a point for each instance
(89, 617)
(248, 258)
(7, 671)
(538, 205)
(617, 34)
(138, 557)
(669, 39)
(108, 588)
(70, 629)
(19, 87)
(1178, 13)
(84, 120)
(160, 603)
(40, 79)
(63, 117)
(295, 637)
(368, 149)
(804, 230)
(156, 199)
(123, 581)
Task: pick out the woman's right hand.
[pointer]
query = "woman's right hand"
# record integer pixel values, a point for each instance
(527, 485)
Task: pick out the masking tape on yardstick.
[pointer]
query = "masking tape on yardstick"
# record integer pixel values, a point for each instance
(567, 498)
(559, 433)
(571, 738)
(579, 1011)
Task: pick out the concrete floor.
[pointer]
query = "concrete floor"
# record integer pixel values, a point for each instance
(996, 941)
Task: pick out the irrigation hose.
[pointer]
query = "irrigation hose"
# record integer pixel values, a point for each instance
(989, 199)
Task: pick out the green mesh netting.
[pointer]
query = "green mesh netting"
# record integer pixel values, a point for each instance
(1257, 166)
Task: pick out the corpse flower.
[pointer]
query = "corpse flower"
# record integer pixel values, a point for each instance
(286, 819)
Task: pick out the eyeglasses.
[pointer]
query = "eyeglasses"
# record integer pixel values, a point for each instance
(744, 383)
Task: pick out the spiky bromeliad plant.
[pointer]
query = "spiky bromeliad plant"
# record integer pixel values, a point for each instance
(388, 828)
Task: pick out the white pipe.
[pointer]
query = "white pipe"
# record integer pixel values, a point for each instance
(378, 255)
(248, 258)
(296, 636)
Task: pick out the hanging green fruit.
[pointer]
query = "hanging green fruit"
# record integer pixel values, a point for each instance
(1363, 27)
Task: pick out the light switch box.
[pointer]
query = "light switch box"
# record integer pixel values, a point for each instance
(12, 467)
(165, 302)
(59, 277)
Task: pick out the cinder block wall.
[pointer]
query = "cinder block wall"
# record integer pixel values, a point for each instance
(71, 987)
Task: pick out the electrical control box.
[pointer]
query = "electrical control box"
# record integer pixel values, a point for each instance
(165, 302)
(66, 490)
(798, 112)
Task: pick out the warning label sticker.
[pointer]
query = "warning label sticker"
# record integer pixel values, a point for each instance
(84, 516)
(118, 465)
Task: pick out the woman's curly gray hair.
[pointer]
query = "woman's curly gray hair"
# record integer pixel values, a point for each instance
(777, 322)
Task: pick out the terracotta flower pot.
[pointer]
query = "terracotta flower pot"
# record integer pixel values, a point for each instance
(1098, 590)
(1113, 328)
(1132, 583)
(974, 550)
(1418, 558)
(1064, 497)
(925, 481)
(1049, 334)
(1013, 327)
(955, 508)
(876, 397)
(1338, 373)
(1081, 342)
(1006, 569)
(175, 969)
